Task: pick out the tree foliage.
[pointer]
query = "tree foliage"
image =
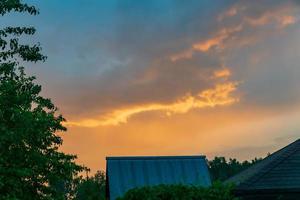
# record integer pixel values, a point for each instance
(92, 188)
(217, 191)
(221, 169)
(31, 166)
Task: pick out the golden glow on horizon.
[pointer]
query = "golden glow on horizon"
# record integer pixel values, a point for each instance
(241, 41)
(218, 96)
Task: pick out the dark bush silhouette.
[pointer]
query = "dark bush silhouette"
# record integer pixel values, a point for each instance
(217, 191)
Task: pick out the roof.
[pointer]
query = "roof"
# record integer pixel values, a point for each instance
(278, 172)
(124, 173)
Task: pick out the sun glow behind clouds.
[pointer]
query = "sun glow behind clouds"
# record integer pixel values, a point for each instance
(220, 95)
(149, 92)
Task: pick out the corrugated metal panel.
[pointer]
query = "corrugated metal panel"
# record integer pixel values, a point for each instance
(125, 173)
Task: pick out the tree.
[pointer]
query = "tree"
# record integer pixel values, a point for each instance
(92, 188)
(217, 191)
(220, 169)
(31, 166)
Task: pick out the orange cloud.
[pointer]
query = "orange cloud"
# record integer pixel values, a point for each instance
(229, 13)
(204, 46)
(288, 20)
(183, 55)
(281, 17)
(222, 73)
(218, 40)
(218, 96)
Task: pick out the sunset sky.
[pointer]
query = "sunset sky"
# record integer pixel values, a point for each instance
(170, 77)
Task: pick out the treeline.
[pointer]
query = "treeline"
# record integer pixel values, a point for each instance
(92, 188)
(220, 169)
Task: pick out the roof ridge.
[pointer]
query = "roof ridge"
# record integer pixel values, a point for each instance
(154, 157)
(289, 151)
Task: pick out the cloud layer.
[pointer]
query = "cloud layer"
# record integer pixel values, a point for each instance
(218, 96)
(170, 77)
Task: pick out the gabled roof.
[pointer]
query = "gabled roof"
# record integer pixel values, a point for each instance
(124, 173)
(278, 172)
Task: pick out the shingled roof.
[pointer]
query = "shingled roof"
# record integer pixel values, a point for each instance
(278, 173)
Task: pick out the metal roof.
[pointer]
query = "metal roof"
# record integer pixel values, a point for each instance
(124, 173)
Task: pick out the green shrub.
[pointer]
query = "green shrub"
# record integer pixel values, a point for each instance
(217, 191)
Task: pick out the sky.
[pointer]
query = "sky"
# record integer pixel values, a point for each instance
(170, 77)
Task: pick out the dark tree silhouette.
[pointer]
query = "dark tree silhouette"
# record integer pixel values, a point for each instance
(220, 169)
(31, 166)
(92, 188)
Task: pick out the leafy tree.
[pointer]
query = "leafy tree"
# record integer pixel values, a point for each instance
(220, 169)
(92, 188)
(217, 191)
(31, 166)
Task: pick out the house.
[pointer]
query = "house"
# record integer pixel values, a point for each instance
(277, 176)
(124, 173)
